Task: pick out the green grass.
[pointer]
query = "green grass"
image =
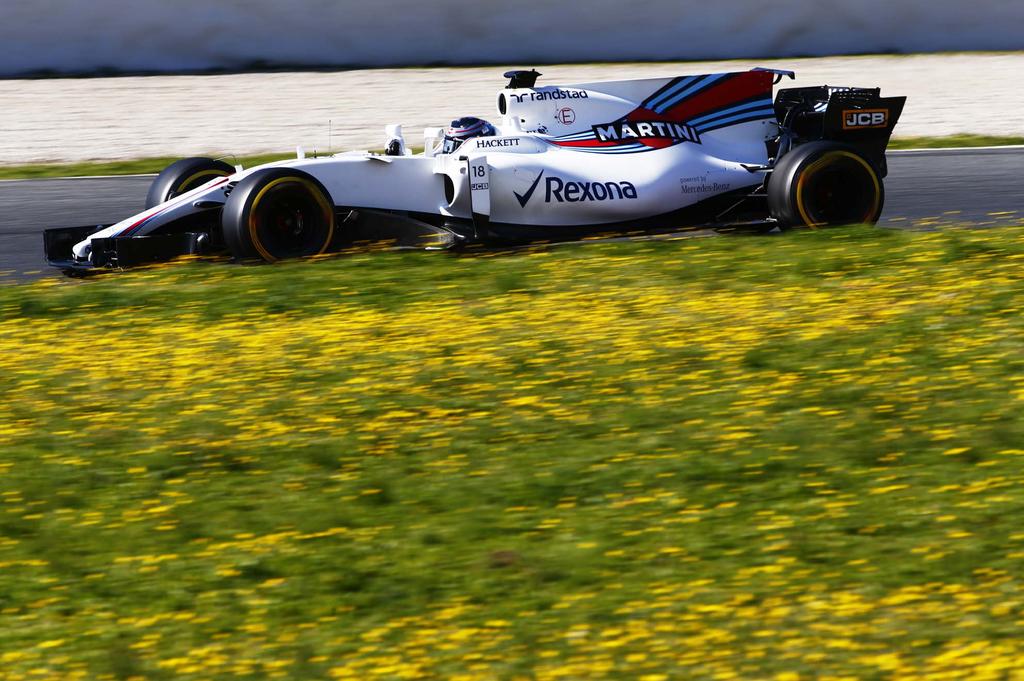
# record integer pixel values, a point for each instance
(155, 165)
(796, 455)
(954, 141)
(129, 167)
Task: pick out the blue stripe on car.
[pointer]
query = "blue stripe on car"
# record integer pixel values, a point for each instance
(683, 83)
(703, 84)
(747, 117)
(707, 118)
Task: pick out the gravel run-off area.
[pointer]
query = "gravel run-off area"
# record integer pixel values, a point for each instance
(49, 120)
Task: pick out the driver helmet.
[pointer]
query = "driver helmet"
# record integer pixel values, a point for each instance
(463, 129)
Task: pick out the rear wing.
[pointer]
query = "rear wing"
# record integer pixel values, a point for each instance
(860, 117)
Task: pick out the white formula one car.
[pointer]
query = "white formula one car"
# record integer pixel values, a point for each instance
(563, 162)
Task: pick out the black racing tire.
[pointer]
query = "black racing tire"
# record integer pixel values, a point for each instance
(277, 214)
(183, 176)
(825, 184)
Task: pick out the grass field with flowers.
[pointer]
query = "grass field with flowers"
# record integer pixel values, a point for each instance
(786, 458)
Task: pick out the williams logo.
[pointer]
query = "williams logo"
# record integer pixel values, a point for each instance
(624, 130)
(865, 118)
(562, 191)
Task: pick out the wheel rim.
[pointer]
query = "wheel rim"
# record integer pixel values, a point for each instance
(838, 189)
(289, 218)
(195, 181)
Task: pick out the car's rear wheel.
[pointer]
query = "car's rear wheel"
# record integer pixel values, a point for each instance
(184, 176)
(824, 184)
(276, 214)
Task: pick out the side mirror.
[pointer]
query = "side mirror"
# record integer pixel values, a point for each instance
(433, 138)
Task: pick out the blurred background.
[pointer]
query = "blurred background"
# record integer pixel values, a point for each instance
(70, 36)
(251, 77)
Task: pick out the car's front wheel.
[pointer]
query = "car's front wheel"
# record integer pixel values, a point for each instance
(824, 184)
(184, 176)
(276, 214)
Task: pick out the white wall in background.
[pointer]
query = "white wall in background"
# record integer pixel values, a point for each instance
(177, 35)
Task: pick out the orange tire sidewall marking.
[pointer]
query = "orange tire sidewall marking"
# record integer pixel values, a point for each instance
(320, 199)
(823, 162)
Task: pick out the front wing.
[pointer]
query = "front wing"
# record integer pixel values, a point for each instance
(117, 252)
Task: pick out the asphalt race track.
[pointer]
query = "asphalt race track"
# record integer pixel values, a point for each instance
(925, 190)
